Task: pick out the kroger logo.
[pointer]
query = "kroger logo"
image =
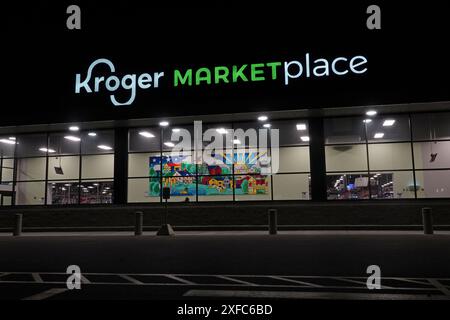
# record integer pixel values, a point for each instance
(113, 83)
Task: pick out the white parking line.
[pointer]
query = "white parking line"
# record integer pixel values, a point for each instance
(309, 295)
(171, 276)
(37, 278)
(440, 286)
(131, 279)
(46, 294)
(308, 284)
(228, 278)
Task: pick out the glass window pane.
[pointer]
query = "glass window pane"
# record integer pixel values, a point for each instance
(65, 167)
(144, 164)
(217, 137)
(351, 186)
(392, 185)
(7, 146)
(176, 164)
(31, 145)
(291, 187)
(97, 166)
(344, 130)
(216, 163)
(292, 132)
(62, 192)
(293, 159)
(144, 139)
(390, 156)
(346, 157)
(96, 192)
(431, 126)
(253, 188)
(388, 128)
(29, 169)
(181, 188)
(30, 193)
(251, 161)
(432, 155)
(7, 170)
(215, 188)
(97, 142)
(144, 190)
(433, 184)
(180, 136)
(64, 144)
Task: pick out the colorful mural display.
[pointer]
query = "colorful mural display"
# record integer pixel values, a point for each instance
(214, 176)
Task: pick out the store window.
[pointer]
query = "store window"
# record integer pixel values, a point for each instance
(431, 144)
(230, 164)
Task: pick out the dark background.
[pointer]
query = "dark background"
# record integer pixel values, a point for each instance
(408, 57)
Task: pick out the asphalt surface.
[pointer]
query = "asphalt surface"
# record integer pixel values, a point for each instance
(340, 255)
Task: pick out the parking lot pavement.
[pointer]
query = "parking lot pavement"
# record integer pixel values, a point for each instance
(43, 286)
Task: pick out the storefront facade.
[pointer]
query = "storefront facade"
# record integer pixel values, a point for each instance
(100, 123)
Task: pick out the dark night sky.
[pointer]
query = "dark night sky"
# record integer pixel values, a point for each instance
(408, 58)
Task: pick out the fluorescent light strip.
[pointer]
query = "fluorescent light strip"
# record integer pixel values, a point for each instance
(103, 147)
(388, 123)
(146, 134)
(7, 141)
(378, 135)
(72, 138)
(301, 127)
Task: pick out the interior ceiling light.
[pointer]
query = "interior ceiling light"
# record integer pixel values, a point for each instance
(176, 130)
(74, 128)
(301, 127)
(169, 144)
(7, 141)
(146, 134)
(267, 125)
(92, 134)
(164, 123)
(371, 113)
(367, 120)
(222, 131)
(263, 118)
(388, 123)
(104, 147)
(305, 138)
(378, 135)
(47, 150)
(237, 141)
(72, 138)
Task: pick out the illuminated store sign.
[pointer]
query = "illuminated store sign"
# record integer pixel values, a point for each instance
(285, 72)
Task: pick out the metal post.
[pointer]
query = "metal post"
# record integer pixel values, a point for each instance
(427, 218)
(18, 225)
(139, 223)
(273, 221)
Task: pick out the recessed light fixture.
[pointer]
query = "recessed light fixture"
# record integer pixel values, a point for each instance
(47, 150)
(92, 134)
(96, 184)
(63, 189)
(104, 147)
(367, 120)
(74, 128)
(7, 141)
(301, 127)
(388, 122)
(263, 118)
(146, 134)
(169, 144)
(267, 125)
(304, 138)
(237, 141)
(72, 138)
(90, 187)
(164, 123)
(378, 135)
(176, 130)
(12, 138)
(371, 113)
(222, 131)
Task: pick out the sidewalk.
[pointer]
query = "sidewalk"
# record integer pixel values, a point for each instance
(222, 233)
